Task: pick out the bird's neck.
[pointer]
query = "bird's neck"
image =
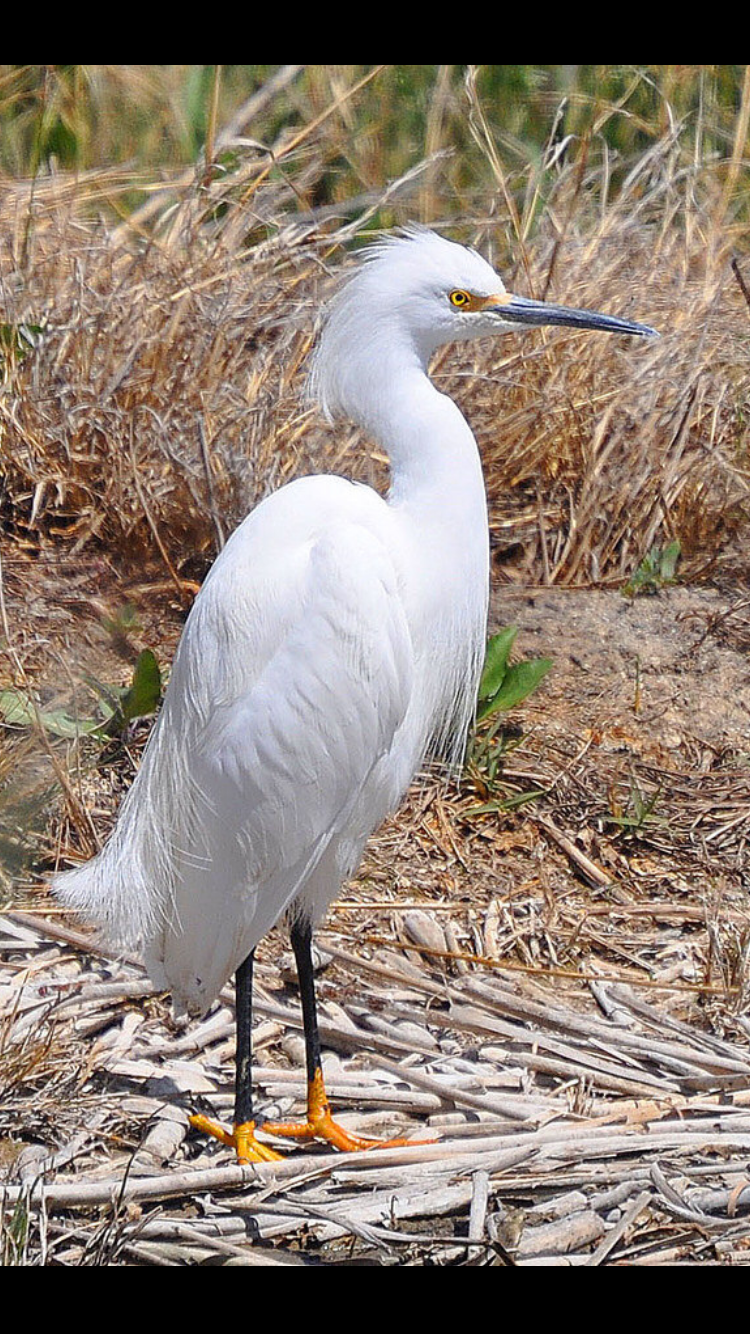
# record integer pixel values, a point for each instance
(438, 505)
(435, 465)
(438, 500)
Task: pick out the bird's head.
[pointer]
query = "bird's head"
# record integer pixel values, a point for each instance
(413, 293)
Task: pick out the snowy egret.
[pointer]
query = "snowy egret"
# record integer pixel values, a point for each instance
(336, 642)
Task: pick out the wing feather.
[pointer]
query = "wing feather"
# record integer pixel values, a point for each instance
(293, 677)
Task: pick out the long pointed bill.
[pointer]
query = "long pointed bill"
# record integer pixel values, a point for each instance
(522, 310)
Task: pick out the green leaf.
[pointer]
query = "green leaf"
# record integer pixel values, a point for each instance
(117, 707)
(17, 340)
(496, 662)
(504, 805)
(518, 683)
(656, 570)
(142, 697)
(17, 710)
(125, 622)
(669, 558)
(138, 700)
(109, 696)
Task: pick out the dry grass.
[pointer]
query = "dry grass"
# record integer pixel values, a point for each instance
(165, 396)
(167, 393)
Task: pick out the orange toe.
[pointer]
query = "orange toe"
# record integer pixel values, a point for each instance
(321, 1125)
(242, 1139)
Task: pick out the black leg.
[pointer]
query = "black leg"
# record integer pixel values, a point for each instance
(301, 937)
(242, 1137)
(320, 1124)
(243, 1087)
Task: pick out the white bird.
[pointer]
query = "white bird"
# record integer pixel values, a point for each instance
(337, 642)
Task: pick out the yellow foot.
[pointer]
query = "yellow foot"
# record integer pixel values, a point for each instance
(321, 1125)
(325, 1128)
(241, 1139)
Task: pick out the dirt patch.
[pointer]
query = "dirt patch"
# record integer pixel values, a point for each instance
(672, 669)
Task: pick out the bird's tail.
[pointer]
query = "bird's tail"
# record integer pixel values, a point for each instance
(114, 896)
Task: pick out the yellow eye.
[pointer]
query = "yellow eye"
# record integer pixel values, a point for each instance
(460, 300)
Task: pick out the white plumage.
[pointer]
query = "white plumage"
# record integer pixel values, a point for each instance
(337, 639)
(334, 637)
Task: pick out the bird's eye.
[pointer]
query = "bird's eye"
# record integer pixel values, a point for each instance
(460, 300)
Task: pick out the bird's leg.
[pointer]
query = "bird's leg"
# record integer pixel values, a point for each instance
(242, 1137)
(319, 1124)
